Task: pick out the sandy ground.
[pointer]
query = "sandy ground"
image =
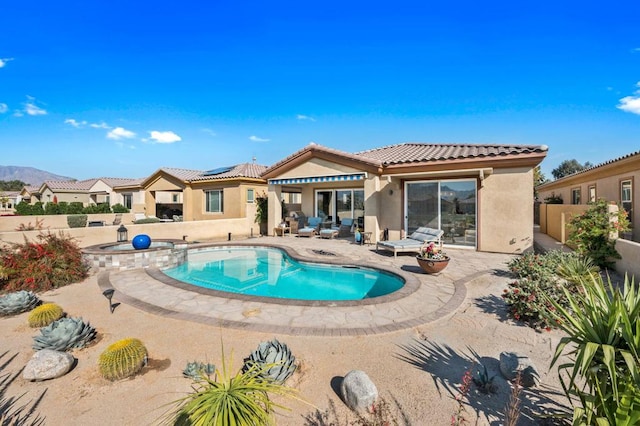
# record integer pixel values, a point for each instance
(417, 370)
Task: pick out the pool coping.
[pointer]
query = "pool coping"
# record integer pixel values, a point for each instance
(444, 310)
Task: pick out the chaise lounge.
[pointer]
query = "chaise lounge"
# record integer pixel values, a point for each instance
(312, 228)
(414, 242)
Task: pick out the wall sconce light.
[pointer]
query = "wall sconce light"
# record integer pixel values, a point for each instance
(391, 192)
(123, 234)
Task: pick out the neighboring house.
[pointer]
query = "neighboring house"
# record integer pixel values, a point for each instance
(8, 201)
(480, 195)
(615, 180)
(89, 191)
(221, 193)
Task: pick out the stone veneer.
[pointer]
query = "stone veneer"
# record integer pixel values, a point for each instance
(101, 259)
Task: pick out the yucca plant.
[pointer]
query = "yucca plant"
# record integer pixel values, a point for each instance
(603, 346)
(44, 315)
(576, 268)
(242, 399)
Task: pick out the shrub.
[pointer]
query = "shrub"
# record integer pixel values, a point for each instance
(52, 209)
(75, 207)
(553, 199)
(25, 209)
(119, 208)
(77, 220)
(147, 220)
(55, 260)
(603, 346)
(536, 274)
(97, 208)
(590, 233)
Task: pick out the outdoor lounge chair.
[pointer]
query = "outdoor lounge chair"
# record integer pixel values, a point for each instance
(312, 228)
(414, 242)
(346, 227)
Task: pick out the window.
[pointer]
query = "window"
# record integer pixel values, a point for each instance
(214, 201)
(575, 196)
(107, 199)
(592, 193)
(626, 197)
(250, 196)
(175, 198)
(340, 204)
(127, 200)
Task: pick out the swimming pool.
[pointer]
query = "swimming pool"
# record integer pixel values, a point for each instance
(270, 272)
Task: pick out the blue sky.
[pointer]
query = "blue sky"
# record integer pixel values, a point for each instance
(122, 88)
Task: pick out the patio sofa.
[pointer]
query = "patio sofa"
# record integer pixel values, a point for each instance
(414, 242)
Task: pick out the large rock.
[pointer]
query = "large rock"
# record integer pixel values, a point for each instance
(511, 363)
(48, 364)
(358, 391)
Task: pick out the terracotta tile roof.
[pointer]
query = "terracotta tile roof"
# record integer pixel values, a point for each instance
(321, 148)
(411, 152)
(244, 170)
(70, 185)
(113, 182)
(182, 174)
(32, 189)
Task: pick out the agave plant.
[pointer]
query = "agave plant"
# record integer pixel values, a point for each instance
(64, 334)
(274, 360)
(44, 315)
(17, 302)
(576, 268)
(197, 370)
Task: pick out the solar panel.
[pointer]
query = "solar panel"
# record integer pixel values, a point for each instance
(217, 171)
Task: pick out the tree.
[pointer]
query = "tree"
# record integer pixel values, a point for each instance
(538, 179)
(568, 167)
(12, 185)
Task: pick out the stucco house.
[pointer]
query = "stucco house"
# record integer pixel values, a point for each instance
(480, 195)
(221, 193)
(613, 180)
(88, 191)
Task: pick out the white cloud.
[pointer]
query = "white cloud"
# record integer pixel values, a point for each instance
(101, 125)
(305, 117)
(209, 132)
(3, 108)
(75, 123)
(164, 137)
(637, 49)
(257, 139)
(30, 107)
(123, 145)
(631, 103)
(3, 61)
(120, 133)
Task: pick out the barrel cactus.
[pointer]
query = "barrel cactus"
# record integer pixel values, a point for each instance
(64, 334)
(122, 359)
(196, 370)
(272, 359)
(17, 302)
(44, 315)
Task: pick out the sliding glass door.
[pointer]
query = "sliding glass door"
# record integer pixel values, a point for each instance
(340, 204)
(449, 205)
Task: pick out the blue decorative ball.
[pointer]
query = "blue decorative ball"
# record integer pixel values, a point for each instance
(141, 242)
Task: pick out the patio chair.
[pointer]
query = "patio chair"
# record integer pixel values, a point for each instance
(346, 227)
(312, 228)
(413, 242)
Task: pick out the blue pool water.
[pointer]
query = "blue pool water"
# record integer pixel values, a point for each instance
(270, 272)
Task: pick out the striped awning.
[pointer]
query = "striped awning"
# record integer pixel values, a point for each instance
(315, 179)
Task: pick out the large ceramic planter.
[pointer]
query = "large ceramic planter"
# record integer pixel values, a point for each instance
(432, 266)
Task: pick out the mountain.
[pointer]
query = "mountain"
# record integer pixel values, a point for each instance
(28, 175)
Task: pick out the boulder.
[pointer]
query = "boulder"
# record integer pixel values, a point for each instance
(511, 363)
(48, 364)
(358, 391)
